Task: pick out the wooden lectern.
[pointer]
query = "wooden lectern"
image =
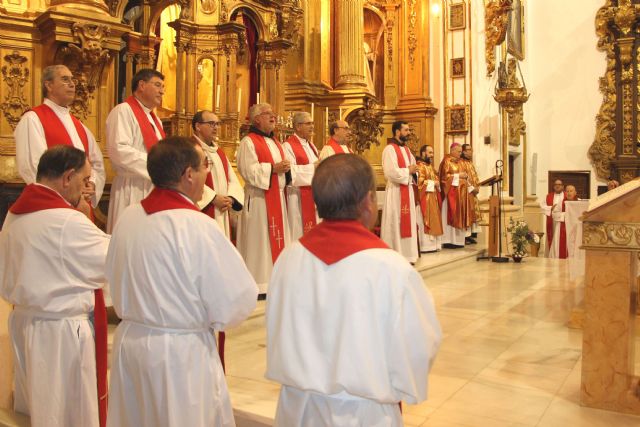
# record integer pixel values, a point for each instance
(494, 215)
(611, 239)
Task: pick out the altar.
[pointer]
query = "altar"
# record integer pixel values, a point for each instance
(573, 224)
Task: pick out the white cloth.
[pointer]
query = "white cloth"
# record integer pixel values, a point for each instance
(327, 151)
(51, 261)
(555, 211)
(31, 144)
(574, 210)
(451, 235)
(253, 228)
(128, 155)
(455, 182)
(175, 277)
(303, 176)
(390, 224)
(350, 340)
(232, 188)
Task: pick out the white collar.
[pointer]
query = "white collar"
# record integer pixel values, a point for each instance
(55, 107)
(144, 107)
(46, 186)
(210, 148)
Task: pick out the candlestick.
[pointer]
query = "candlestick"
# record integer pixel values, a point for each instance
(239, 100)
(218, 98)
(312, 111)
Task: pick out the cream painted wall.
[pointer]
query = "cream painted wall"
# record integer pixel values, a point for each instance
(561, 72)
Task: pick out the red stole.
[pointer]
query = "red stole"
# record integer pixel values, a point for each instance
(163, 199)
(337, 148)
(405, 200)
(148, 133)
(36, 198)
(54, 131)
(275, 220)
(211, 209)
(563, 229)
(333, 240)
(307, 204)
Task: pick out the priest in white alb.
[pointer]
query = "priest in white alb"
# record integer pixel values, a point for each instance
(51, 123)
(132, 129)
(339, 133)
(225, 194)
(263, 231)
(400, 213)
(554, 208)
(175, 277)
(351, 327)
(301, 209)
(52, 260)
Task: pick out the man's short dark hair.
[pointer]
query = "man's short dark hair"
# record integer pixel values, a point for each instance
(465, 146)
(144, 75)
(339, 184)
(397, 125)
(59, 159)
(332, 128)
(197, 118)
(169, 158)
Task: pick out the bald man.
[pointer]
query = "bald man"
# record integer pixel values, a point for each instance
(340, 133)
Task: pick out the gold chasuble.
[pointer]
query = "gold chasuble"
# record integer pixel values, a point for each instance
(430, 199)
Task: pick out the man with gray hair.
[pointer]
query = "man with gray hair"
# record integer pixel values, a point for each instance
(51, 123)
(263, 231)
(300, 206)
(340, 133)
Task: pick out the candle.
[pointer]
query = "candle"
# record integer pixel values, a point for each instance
(312, 111)
(258, 98)
(239, 99)
(326, 117)
(218, 97)
(340, 116)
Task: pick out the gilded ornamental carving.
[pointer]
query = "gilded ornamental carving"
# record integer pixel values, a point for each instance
(15, 76)
(496, 16)
(611, 236)
(366, 126)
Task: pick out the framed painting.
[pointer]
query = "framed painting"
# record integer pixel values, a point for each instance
(457, 119)
(457, 16)
(457, 68)
(515, 30)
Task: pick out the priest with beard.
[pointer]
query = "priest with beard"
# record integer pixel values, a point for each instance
(430, 225)
(473, 188)
(399, 216)
(263, 231)
(454, 186)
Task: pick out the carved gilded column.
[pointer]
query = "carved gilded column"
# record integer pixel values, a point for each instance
(350, 37)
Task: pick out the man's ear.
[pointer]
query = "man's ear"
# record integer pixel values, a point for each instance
(66, 177)
(187, 175)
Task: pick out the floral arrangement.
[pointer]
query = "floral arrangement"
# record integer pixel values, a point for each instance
(520, 237)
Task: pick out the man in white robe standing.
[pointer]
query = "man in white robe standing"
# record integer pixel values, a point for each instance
(339, 132)
(263, 231)
(171, 288)
(132, 129)
(226, 191)
(351, 327)
(52, 260)
(50, 124)
(301, 209)
(554, 207)
(399, 217)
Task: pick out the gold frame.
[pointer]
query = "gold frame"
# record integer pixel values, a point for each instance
(457, 16)
(515, 47)
(460, 62)
(455, 115)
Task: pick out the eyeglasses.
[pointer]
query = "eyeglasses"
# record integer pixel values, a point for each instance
(69, 81)
(307, 123)
(211, 123)
(343, 127)
(267, 113)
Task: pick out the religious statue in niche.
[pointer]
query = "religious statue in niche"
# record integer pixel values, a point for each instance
(369, 64)
(208, 6)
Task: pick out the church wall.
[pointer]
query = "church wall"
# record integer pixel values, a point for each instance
(561, 71)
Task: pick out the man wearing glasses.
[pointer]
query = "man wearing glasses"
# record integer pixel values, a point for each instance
(556, 230)
(300, 205)
(132, 129)
(263, 231)
(340, 133)
(50, 124)
(226, 191)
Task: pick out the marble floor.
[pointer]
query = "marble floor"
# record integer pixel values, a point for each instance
(507, 358)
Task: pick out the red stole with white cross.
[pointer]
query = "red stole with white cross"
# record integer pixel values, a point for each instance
(405, 201)
(36, 198)
(146, 128)
(307, 204)
(275, 220)
(337, 148)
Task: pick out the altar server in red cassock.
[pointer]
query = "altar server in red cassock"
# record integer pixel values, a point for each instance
(132, 129)
(301, 209)
(51, 124)
(351, 327)
(52, 262)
